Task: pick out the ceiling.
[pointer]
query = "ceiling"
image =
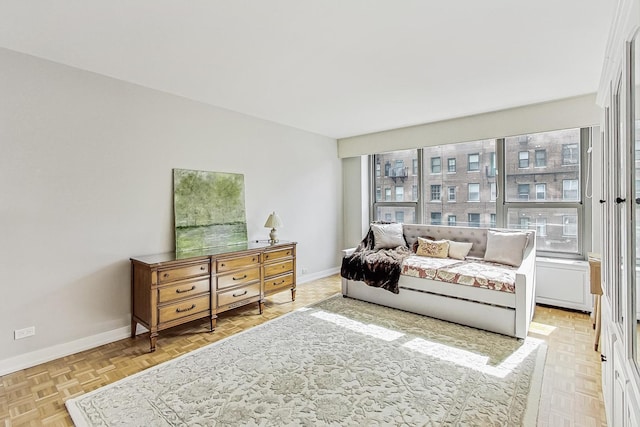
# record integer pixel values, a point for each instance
(334, 67)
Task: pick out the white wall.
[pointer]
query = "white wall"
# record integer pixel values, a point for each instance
(355, 176)
(86, 183)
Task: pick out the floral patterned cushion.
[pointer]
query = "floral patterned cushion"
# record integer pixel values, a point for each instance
(431, 248)
(477, 273)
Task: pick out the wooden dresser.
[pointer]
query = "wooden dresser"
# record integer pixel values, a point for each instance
(171, 289)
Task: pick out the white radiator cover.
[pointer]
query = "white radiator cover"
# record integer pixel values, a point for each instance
(563, 283)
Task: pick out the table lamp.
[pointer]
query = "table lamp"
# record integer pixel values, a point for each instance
(273, 222)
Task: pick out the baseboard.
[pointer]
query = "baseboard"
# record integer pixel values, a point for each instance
(300, 279)
(48, 354)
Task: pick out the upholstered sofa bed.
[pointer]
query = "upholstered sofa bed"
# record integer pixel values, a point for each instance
(491, 287)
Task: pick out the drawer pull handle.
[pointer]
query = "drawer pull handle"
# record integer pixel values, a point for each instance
(181, 291)
(240, 278)
(222, 264)
(185, 309)
(279, 283)
(239, 295)
(165, 275)
(254, 259)
(203, 268)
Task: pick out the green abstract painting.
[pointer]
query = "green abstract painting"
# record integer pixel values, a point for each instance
(209, 209)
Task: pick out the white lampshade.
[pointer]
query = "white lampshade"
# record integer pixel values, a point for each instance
(273, 221)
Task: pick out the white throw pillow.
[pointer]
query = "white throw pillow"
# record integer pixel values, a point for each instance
(459, 250)
(505, 247)
(387, 236)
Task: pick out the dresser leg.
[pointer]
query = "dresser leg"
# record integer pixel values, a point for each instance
(213, 323)
(293, 294)
(152, 341)
(134, 326)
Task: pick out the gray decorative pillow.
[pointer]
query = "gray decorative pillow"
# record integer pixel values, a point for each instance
(459, 250)
(505, 247)
(387, 236)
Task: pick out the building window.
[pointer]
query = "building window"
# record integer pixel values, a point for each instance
(400, 188)
(377, 170)
(387, 194)
(451, 220)
(415, 166)
(414, 192)
(569, 225)
(452, 194)
(541, 227)
(494, 192)
(541, 191)
(387, 217)
(474, 192)
(524, 222)
(570, 154)
(378, 194)
(523, 159)
(436, 218)
(491, 170)
(435, 192)
(473, 162)
(399, 216)
(387, 168)
(493, 220)
(436, 165)
(570, 189)
(523, 191)
(541, 158)
(399, 193)
(451, 164)
(474, 220)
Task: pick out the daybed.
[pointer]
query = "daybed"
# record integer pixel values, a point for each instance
(470, 291)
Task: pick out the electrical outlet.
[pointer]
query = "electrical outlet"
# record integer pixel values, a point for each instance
(304, 270)
(18, 334)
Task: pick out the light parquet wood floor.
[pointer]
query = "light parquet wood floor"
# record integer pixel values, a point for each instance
(571, 393)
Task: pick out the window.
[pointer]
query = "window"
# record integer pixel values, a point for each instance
(436, 165)
(451, 220)
(524, 221)
(451, 164)
(435, 192)
(523, 191)
(541, 227)
(523, 159)
(559, 153)
(494, 192)
(474, 192)
(541, 191)
(473, 162)
(541, 158)
(436, 218)
(493, 220)
(570, 154)
(491, 171)
(415, 166)
(569, 225)
(452, 194)
(395, 192)
(570, 189)
(474, 220)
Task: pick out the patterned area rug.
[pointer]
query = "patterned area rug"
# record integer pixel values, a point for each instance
(338, 362)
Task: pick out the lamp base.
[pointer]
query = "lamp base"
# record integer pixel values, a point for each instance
(273, 236)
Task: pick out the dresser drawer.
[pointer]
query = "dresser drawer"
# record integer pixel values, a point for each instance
(228, 264)
(183, 272)
(182, 290)
(235, 295)
(239, 277)
(279, 254)
(278, 268)
(183, 308)
(278, 283)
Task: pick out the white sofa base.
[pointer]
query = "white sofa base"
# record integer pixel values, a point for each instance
(471, 313)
